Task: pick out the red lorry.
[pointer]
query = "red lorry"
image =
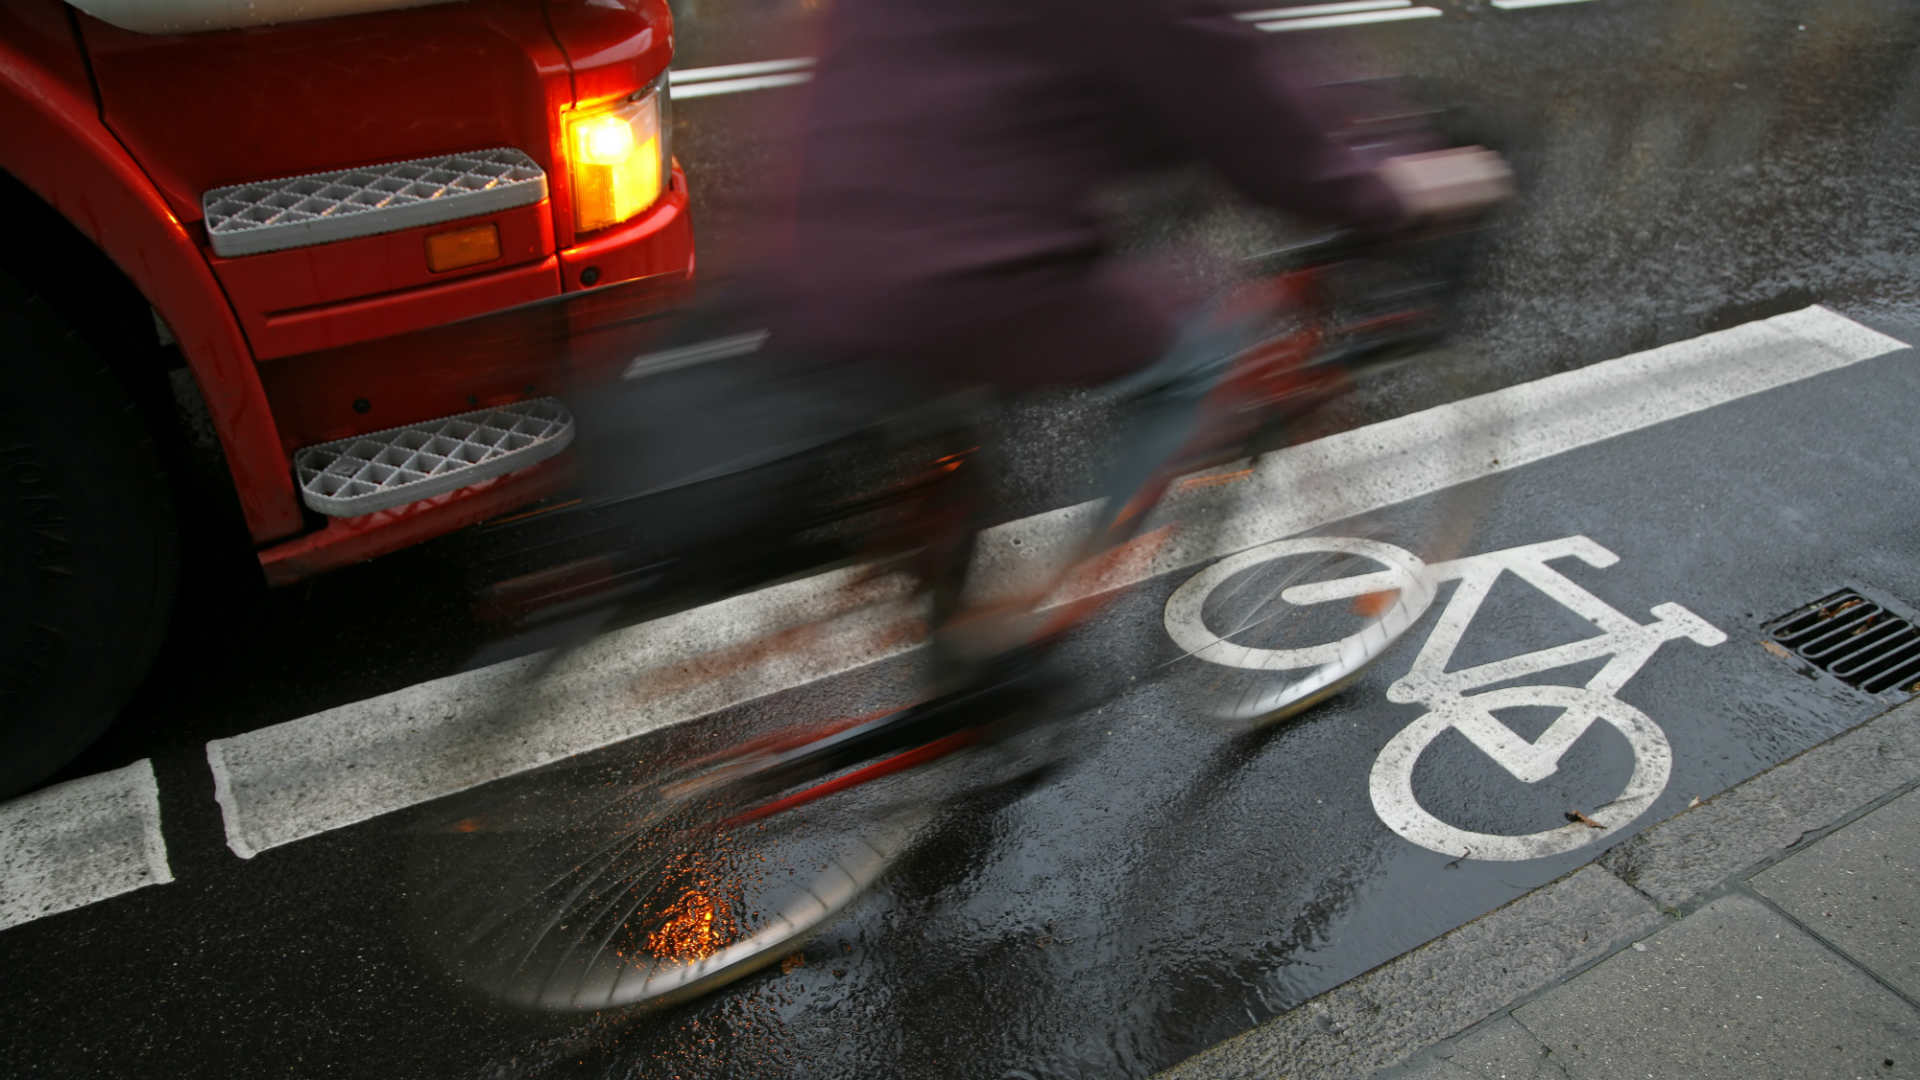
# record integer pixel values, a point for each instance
(240, 217)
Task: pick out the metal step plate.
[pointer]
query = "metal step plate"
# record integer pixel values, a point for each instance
(384, 469)
(271, 215)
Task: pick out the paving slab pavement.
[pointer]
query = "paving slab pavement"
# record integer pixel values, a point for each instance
(1735, 991)
(1859, 890)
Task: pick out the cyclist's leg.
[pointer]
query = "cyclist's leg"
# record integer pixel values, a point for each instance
(1165, 416)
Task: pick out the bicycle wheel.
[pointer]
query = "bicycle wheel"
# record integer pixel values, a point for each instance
(1278, 626)
(573, 892)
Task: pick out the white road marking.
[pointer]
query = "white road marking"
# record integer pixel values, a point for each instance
(80, 842)
(346, 765)
(681, 76)
(1510, 5)
(1459, 699)
(1358, 18)
(700, 89)
(1186, 624)
(705, 352)
(1390, 784)
(1321, 9)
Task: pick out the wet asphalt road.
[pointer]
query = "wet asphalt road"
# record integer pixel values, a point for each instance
(1695, 166)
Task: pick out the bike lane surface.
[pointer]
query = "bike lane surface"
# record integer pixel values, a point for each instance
(1174, 888)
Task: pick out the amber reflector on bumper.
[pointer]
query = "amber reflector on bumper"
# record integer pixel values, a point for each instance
(470, 246)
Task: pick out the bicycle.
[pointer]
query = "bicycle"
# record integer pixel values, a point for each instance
(676, 884)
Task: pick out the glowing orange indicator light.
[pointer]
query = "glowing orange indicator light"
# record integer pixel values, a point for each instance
(605, 140)
(470, 246)
(616, 160)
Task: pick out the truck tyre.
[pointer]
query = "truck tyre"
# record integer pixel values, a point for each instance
(87, 543)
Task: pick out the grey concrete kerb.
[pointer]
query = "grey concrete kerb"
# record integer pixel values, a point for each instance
(1557, 931)
(1680, 861)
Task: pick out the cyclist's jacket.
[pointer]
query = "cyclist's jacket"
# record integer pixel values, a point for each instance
(945, 214)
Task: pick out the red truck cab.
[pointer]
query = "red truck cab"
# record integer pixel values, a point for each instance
(253, 201)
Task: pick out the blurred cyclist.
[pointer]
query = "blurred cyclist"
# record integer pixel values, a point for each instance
(946, 217)
(946, 234)
(947, 230)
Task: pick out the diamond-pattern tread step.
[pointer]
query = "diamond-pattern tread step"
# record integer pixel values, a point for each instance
(384, 469)
(319, 208)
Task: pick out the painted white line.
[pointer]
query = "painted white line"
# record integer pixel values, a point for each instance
(356, 762)
(1321, 9)
(736, 86)
(1390, 783)
(80, 842)
(335, 768)
(705, 352)
(679, 76)
(1510, 5)
(1360, 18)
(1467, 699)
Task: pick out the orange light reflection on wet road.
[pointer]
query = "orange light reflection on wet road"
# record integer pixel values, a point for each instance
(696, 926)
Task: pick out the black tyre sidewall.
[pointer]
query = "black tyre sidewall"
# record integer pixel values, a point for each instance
(87, 543)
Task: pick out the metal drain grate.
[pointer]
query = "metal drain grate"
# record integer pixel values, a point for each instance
(1858, 639)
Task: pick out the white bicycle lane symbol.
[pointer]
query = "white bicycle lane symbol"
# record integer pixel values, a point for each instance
(1450, 696)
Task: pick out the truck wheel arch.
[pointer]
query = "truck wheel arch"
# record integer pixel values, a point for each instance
(53, 141)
